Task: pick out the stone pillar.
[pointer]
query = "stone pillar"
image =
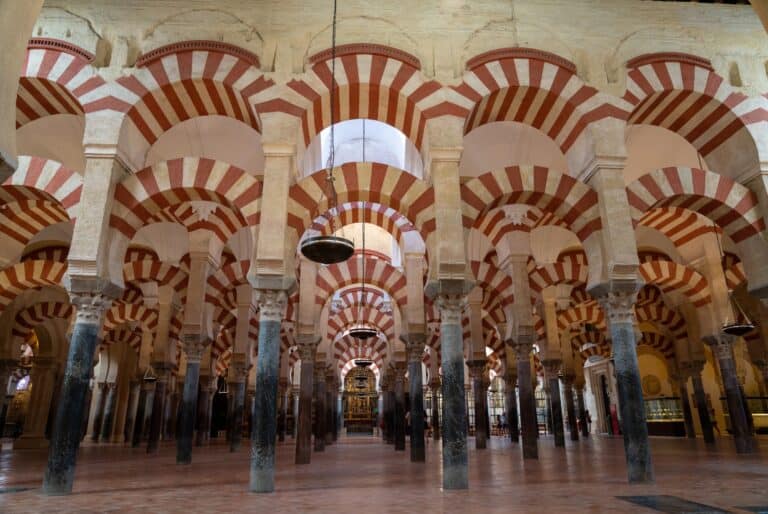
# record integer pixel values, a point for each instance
(619, 309)
(133, 402)
(194, 346)
(476, 369)
(320, 406)
(43, 382)
(60, 472)
(98, 413)
(7, 390)
(109, 412)
(415, 349)
(171, 404)
(307, 347)
(678, 381)
(271, 310)
(551, 372)
(455, 472)
(722, 348)
(434, 385)
(330, 402)
(528, 423)
(203, 419)
(570, 408)
(158, 407)
(240, 370)
(282, 419)
(700, 397)
(389, 406)
(511, 403)
(399, 419)
(582, 410)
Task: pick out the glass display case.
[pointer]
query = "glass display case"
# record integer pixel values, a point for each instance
(665, 416)
(758, 407)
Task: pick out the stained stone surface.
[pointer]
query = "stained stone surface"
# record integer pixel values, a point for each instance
(454, 409)
(236, 437)
(417, 411)
(304, 422)
(557, 412)
(528, 422)
(188, 414)
(265, 410)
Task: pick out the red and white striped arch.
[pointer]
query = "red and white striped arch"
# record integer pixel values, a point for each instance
(150, 191)
(683, 94)
(121, 313)
(185, 80)
(123, 336)
(492, 279)
(729, 204)
(378, 273)
(597, 338)
(29, 275)
(495, 224)
(570, 270)
(58, 253)
(347, 318)
(221, 283)
(659, 313)
(570, 200)
(532, 87)
(734, 270)
(658, 343)
(27, 319)
(57, 78)
(375, 298)
(364, 212)
(680, 225)
(363, 182)
(670, 276)
(347, 349)
(150, 270)
(584, 313)
(221, 221)
(372, 81)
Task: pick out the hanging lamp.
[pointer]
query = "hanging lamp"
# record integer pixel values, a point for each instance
(330, 249)
(741, 324)
(361, 330)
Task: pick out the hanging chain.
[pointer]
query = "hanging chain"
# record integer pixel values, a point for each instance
(331, 188)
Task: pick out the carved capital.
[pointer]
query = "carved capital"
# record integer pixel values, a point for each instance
(194, 346)
(434, 384)
(619, 306)
(722, 347)
(476, 368)
(451, 306)
(414, 345)
(307, 346)
(523, 349)
(552, 367)
(272, 304)
(90, 306)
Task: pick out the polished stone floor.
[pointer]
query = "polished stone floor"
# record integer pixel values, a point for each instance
(361, 474)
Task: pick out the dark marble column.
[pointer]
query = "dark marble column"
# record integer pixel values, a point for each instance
(109, 412)
(282, 415)
(142, 411)
(330, 399)
(511, 404)
(415, 349)
(570, 407)
(582, 410)
(619, 308)
(551, 372)
(65, 440)
(98, 413)
(455, 463)
(319, 441)
(307, 346)
(389, 412)
(239, 368)
(399, 414)
(722, 347)
(194, 346)
(271, 309)
(700, 397)
(7, 368)
(158, 406)
(203, 420)
(680, 380)
(434, 384)
(476, 369)
(130, 415)
(171, 403)
(528, 423)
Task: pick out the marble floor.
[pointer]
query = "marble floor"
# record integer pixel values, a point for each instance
(363, 475)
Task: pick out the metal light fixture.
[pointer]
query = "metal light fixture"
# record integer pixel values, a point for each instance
(363, 363)
(740, 325)
(330, 249)
(361, 330)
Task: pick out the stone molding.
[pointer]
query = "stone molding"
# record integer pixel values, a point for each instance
(520, 53)
(200, 45)
(366, 48)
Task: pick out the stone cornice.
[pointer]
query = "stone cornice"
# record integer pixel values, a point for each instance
(200, 45)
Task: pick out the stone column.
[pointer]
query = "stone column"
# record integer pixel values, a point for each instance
(271, 310)
(722, 348)
(109, 412)
(529, 423)
(700, 397)
(320, 406)
(678, 381)
(551, 372)
(130, 416)
(7, 368)
(476, 369)
(282, 419)
(158, 406)
(434, 385)
(511, 403)
(619, 309)
(307, 347)
(415, 349)
(43, 382)
(389, 406)
(582, 410)
(455, 472)
(330, 401)
(98, 413)
(570, 408)
(203, 418)
(194, 346)
(143, 411)
(240, 370)
(65, 440)
(169, 419)
(399, 415)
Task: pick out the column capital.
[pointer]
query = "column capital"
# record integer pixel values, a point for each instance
(194, 346)
(476, 368)
(523, 349)
(90, 306)
(319, 373)
(619, 305)
(414, 346)
(239, 367)
(434, 384)
(307, 346)
(721, 345)
(451, 307)
(272, 304)
(552, 367)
